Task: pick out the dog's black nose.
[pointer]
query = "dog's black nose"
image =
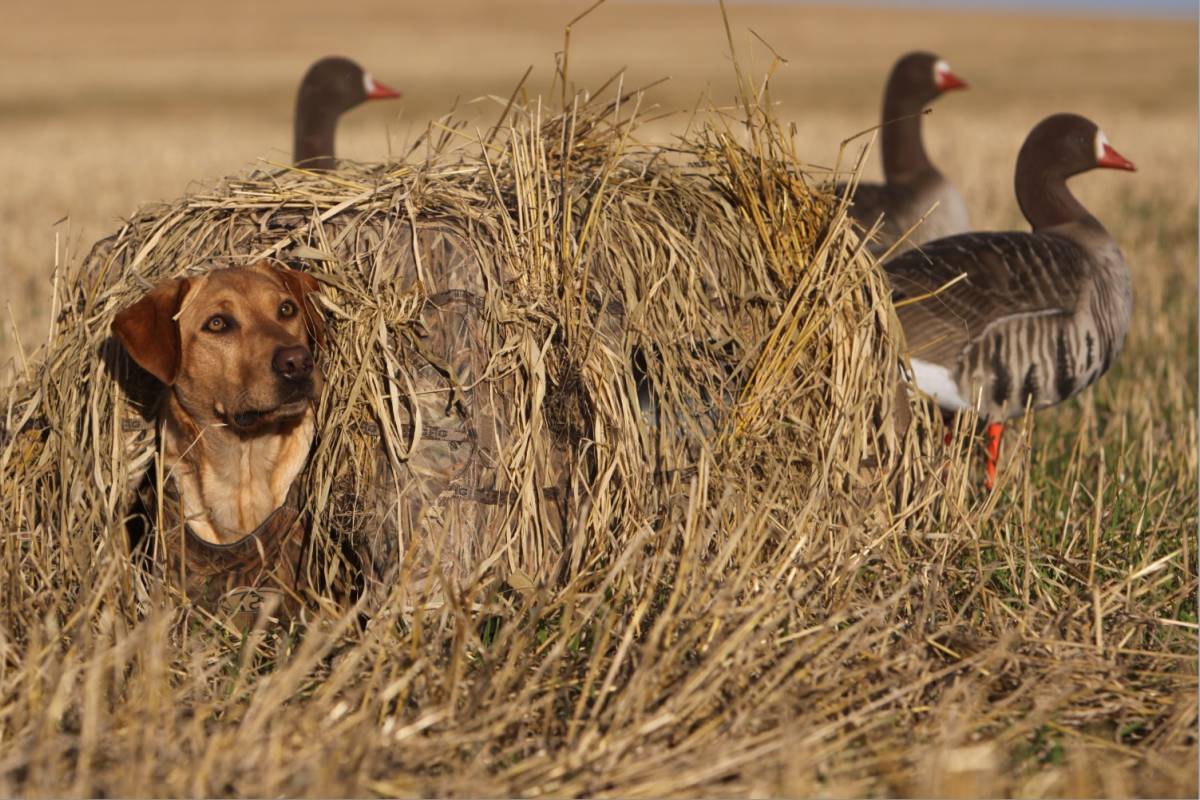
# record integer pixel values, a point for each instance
(292, 363)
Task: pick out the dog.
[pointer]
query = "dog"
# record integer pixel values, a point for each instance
(234, 349)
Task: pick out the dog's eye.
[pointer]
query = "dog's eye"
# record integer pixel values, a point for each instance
(216, 323)
(287, 309)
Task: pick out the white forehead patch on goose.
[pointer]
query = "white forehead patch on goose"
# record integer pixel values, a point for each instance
(940, 69)
(1101, 143)
(368, 82)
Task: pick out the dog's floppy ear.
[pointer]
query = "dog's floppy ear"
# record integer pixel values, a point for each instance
(300, 285)
(149, 331)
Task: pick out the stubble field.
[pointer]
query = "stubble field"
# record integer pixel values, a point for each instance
(1085, 566)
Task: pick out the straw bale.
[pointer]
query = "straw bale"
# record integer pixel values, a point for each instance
(531, 342)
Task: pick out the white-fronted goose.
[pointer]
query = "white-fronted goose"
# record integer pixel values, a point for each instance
(331, 87)
(1020, 319)
(912, 185)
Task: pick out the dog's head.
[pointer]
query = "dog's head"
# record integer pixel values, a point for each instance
(236, 344)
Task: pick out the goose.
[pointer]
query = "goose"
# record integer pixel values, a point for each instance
(997, 322)
(912, 185)
(330, 87)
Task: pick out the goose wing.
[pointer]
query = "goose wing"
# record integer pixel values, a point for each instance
(979, 280)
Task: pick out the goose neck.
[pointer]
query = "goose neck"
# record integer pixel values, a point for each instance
(313, 141)
(1044, 198)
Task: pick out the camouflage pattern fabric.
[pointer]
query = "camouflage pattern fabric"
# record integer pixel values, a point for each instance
(233, 580)
(440, 500)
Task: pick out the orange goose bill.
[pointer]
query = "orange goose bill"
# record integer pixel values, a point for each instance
(330, 87)
(912, 185)
(998, 322)
(945, 79)
(377, 90)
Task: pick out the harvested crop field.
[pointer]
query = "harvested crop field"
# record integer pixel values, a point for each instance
(766, 592)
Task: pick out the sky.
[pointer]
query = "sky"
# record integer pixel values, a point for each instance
(1134, 7)
(1180, 8)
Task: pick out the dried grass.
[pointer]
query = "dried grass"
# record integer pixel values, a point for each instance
(756, 589)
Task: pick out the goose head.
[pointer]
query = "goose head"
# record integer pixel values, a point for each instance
(920, 78)
(335, 85)
(1058, 147)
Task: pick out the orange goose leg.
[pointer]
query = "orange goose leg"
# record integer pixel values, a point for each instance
(994, 431)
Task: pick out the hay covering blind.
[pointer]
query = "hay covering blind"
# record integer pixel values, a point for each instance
(535, 341)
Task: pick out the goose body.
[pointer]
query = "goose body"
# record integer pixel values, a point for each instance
(901, 207)
(996, 322)
(912, 184)
(1038, 317)
(330, 87)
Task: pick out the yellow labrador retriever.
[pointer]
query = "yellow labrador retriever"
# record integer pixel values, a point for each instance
(234, 347)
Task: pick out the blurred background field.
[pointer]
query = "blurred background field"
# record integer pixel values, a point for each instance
(106, 106)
